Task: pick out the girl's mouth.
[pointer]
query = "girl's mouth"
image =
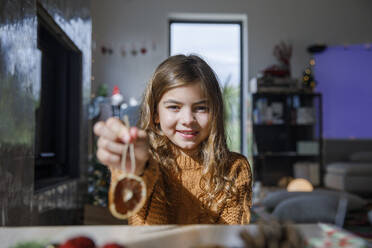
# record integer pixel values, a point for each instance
(188, 134)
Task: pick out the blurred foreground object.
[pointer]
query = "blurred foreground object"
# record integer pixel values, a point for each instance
(273, 234)
(127, 193)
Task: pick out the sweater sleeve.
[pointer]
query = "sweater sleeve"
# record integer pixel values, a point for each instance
(238, 211)
(152, 211)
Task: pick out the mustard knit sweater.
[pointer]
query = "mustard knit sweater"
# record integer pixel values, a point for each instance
(172, 198)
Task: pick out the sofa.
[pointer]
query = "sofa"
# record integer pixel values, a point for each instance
(353, 175)
(320, 205)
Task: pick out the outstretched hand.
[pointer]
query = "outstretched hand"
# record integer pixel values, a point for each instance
(113, 135)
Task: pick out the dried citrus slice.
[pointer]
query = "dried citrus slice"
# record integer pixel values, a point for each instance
(127, 195)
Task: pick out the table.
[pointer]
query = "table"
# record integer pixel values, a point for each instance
(142, 236)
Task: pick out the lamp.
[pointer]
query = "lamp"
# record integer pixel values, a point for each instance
(300, 184)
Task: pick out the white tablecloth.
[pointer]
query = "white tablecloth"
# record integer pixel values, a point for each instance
(141, 236)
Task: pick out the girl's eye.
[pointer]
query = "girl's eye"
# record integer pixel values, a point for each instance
(201, 109)
(173, 107)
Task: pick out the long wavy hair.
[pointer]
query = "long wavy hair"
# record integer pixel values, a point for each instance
(181, 70)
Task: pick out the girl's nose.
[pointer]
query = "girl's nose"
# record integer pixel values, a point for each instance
(187, 117)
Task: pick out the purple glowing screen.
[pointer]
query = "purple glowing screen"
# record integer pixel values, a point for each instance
(344, 77)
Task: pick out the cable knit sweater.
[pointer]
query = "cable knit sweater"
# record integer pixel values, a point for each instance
(172, 198)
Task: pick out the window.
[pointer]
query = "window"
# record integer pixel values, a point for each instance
(58, 110)
(220, 44)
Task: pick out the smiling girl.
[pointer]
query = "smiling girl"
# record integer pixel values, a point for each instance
(181, 151)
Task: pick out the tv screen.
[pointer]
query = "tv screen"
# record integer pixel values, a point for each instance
(344, 77)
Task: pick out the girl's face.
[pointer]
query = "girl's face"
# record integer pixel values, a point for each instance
(183, 115)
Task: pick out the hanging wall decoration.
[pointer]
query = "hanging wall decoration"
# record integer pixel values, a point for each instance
(134, 50)
(123, 50)
(110, 50)
(106, 50)
(126, 49)
(143, 50)
(103, 50)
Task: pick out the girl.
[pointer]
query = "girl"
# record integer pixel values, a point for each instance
(181, 151)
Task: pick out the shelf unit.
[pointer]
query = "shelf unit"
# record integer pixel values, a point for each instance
(287, 130)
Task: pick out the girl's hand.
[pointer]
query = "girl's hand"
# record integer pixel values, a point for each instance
(113, 134)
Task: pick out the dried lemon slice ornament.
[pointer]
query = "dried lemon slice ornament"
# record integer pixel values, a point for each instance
(127, 192)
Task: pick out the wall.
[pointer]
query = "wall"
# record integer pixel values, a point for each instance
(20, 63)
(128, 22)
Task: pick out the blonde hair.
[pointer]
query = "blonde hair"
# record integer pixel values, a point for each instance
(181, 70)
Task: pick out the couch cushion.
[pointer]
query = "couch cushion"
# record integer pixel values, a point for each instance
(350, 168)
(307, 209)
(273, 199)
(361, 157)
(349, 183)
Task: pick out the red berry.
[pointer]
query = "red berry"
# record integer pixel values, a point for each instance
(78, 242)
(113, 245)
